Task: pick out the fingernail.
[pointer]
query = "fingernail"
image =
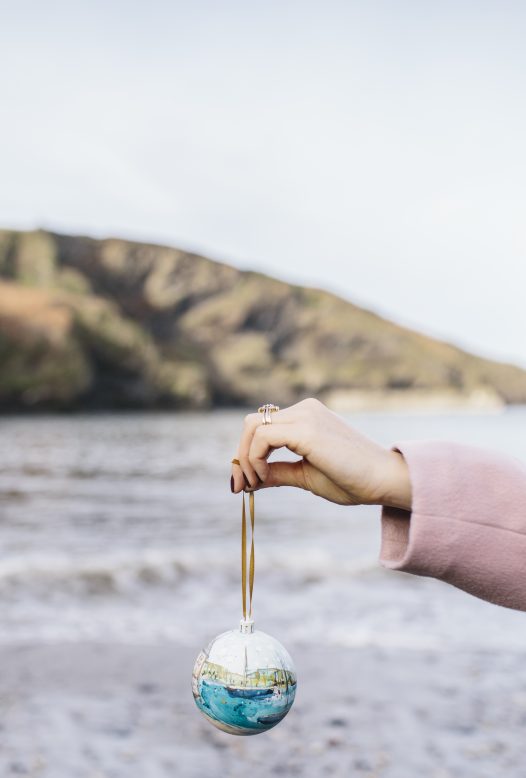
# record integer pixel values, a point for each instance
(232, 484)
(247, 482)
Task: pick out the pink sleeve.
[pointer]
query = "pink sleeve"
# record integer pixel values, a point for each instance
(467, 525)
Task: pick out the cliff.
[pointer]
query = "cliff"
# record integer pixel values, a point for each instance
(110, 323)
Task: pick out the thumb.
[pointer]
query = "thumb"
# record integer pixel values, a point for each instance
(285, 474)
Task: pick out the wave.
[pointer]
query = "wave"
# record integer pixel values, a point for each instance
(185, 596)
(100, 574)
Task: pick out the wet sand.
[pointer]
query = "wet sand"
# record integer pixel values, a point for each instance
(106, 711)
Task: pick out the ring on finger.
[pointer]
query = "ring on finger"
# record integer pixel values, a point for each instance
(267, 410)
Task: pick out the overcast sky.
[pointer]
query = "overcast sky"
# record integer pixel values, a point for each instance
(373, 148)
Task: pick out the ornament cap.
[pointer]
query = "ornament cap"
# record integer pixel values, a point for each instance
(246, 626)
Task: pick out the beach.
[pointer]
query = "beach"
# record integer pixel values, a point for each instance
(101, 711)
(120, 561)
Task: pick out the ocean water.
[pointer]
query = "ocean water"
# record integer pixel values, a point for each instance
(258, 713)
(123, 528)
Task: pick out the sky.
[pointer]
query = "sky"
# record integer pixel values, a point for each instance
(375, 149)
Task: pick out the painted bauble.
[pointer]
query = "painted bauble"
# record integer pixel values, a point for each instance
(244, 682)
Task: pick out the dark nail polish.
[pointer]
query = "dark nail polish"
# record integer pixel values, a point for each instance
(247, 482)
(232, 484)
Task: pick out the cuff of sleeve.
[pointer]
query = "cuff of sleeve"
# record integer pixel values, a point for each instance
(409, 541)
(466, 525)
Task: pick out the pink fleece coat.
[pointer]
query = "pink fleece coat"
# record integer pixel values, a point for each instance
(467, 525)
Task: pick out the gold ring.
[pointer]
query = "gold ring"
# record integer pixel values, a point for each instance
(236, 462)
(267, 410)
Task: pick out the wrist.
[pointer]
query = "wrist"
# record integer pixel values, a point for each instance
(395, 490)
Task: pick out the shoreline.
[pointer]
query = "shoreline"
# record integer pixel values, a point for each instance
(439, 401)
(355, 403)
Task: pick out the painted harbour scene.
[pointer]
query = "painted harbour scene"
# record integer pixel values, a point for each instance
(244, 700)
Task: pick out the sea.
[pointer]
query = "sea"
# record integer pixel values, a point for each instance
(122, 528)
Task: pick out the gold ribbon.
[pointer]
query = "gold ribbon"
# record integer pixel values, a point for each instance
(244, 555)
(244, 551)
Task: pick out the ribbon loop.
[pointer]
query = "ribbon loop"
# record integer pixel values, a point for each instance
(251, 565)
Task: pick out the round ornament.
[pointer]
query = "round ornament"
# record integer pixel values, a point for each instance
(244, 682)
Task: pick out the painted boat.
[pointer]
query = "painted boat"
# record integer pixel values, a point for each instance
(251, 693)
(270, 719)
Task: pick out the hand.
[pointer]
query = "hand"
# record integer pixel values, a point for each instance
(337, 462)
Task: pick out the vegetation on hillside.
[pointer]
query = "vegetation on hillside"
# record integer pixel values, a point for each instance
(111, 323)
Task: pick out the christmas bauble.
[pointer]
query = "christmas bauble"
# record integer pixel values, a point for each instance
(244, 682)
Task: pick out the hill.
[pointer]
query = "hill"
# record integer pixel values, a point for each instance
(111, 323)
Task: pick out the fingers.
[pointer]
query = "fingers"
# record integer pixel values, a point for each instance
(252, 422)
(264, 439)
(269, 437)
(253, 467)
